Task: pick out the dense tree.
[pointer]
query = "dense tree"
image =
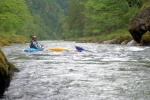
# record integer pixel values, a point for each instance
(64, 5)
(50, 16)
(75, 18)
(47, 18)
(105, 16)
(96, 17)
(13, 15)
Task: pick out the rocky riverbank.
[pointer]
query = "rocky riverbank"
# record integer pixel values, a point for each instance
(139, 26)
(145, 41)
(7, 70)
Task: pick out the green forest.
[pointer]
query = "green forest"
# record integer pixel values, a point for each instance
(66, 19)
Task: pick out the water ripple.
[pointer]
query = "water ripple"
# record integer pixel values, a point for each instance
(111, 72)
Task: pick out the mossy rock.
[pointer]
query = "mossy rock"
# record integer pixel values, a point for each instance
(7, 70)
(146, 39)
(140, 24)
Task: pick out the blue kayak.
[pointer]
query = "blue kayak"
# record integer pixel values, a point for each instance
(79, 48)
(33, 49)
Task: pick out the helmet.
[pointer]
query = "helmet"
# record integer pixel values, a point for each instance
(34, 37)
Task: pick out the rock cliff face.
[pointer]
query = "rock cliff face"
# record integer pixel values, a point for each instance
(140, 24)
(7, 70)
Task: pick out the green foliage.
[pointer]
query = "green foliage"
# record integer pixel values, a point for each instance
(48, 16)
(105, 15)
(45, 21)
(145, 4)
(14, 14)
(98, 17)
(76, 18)
(8, 38)
(137, 3)
(121, 35)
(64, 4)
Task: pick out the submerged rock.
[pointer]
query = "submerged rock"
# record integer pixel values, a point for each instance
(7, 70)
(140, 24)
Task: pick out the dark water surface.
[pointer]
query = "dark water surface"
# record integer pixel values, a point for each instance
(110, 72)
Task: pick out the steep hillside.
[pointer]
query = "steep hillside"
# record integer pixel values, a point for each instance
(49, 16)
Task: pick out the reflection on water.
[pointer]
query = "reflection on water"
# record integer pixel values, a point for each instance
(110, 72)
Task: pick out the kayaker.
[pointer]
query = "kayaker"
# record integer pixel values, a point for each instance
(34, 43)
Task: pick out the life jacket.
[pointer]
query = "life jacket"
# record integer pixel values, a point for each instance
(34, 44)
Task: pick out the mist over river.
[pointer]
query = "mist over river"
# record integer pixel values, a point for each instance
(109, 72)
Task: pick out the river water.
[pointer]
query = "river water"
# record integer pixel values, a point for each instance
(109, 72)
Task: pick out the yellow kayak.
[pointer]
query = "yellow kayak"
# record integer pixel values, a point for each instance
(56, 49)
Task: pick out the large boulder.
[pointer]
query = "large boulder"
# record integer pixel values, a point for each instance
(140, 24)
(7, 70)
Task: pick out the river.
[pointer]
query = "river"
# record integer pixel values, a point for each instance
(109, 72)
